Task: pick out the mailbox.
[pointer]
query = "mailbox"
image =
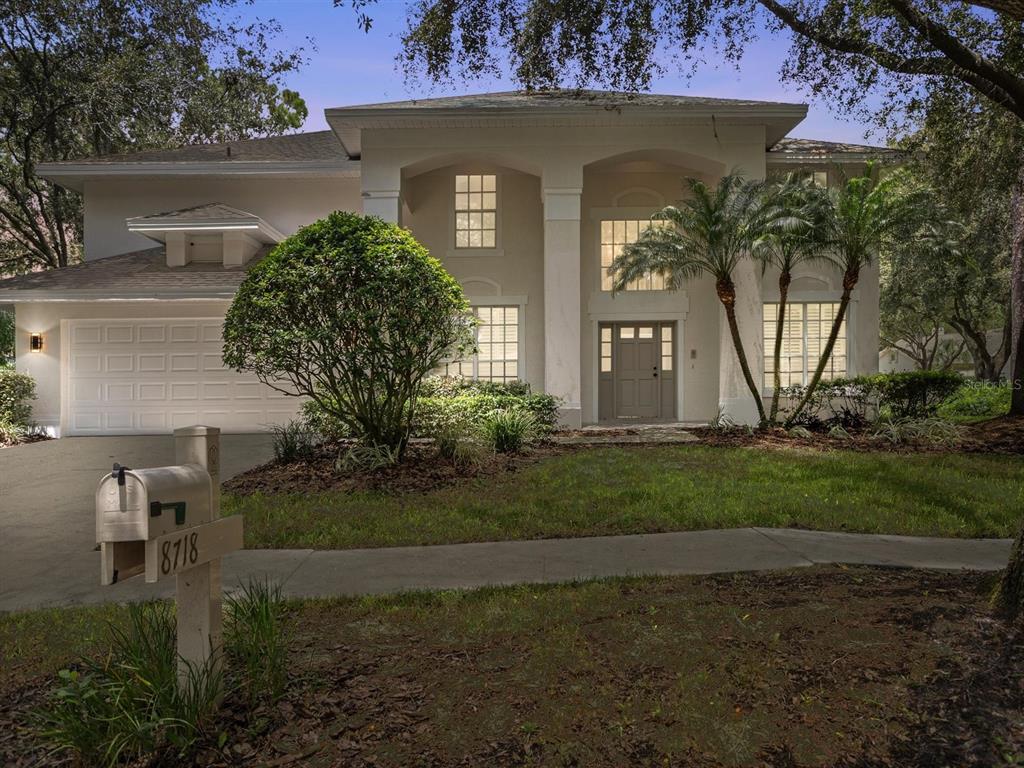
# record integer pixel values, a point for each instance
(135, 506)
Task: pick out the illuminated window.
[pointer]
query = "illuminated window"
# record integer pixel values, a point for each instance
(497, 343)
(617, 234)
(476, 210)
(666, 348)
(804, 336)
(606, 349)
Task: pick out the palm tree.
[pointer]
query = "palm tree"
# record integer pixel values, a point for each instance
(792, 211)
(714, 231)
(861, 215)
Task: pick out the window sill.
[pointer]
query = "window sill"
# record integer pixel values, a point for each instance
(461, 253)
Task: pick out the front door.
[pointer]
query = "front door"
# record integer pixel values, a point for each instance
(636, 381)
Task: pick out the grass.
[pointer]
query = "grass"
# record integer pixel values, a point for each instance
(707, 671)
(605, 491)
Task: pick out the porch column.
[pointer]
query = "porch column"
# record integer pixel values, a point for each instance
(381, 187)
(734, 398)
(562, 299)
(385, 203)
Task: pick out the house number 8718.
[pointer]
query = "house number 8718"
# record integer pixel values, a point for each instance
(179, 552)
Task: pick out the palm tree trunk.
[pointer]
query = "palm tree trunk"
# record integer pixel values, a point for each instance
(780, 326)
(849, 283)
(727, 295)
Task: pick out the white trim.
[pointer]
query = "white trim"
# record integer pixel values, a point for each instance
(65, 361)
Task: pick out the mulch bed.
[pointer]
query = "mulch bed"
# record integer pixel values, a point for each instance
(1003, 435)
(25, 440)
(831, 667)
(422, 470)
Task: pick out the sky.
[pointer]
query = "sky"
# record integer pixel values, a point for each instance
(348, 66)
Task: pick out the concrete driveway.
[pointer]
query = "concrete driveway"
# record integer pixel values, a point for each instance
(47, 511)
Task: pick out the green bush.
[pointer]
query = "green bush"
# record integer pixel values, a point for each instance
(17, 391)
(858, 401)
(6, 336)
(127, 705)
(509, 431)
(976, 401)
(353, 313)
(447, 401)
(914, 394)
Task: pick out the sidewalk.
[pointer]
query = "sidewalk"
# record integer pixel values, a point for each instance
(315, 573)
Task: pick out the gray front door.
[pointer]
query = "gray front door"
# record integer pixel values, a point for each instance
(636, 379)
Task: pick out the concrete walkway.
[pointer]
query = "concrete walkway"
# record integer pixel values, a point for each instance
(309, 573)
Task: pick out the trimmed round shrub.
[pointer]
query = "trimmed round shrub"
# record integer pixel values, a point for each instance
(351, 312)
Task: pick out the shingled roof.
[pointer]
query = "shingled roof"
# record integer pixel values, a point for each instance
(564, 98)
(294, 147)
(139, 274)
(822, 150)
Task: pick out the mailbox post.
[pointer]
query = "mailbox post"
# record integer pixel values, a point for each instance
(164, 522)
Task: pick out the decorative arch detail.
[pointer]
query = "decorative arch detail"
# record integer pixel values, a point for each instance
(637, 197)
(480, 286)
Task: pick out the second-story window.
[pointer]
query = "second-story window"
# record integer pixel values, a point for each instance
(616, 234)
(476, 210)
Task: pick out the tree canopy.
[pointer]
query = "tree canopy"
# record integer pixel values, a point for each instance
(95, 77)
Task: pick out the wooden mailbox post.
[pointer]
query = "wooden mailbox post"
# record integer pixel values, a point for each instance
(165, 522)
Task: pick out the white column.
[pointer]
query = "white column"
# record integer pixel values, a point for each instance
(239, 248)
(562, 299)
(385, 203)
(177, 249)
(734, 398)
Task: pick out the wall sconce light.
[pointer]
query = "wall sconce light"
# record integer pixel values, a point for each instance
(35, 342)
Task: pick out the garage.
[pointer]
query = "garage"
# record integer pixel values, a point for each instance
(146, 376)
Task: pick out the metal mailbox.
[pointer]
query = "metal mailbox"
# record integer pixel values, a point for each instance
(142, 504)
(136, 506)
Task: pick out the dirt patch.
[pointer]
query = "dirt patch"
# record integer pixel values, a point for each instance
(422, 470)
(850, 667)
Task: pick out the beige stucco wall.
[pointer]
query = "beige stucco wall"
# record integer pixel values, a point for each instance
(284, 203)
(45, 318)
(513, 273)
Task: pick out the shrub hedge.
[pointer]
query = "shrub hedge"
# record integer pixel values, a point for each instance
(859, 400)
(17, 390)
(453, 407)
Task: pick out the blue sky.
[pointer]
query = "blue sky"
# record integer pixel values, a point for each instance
(349, 66)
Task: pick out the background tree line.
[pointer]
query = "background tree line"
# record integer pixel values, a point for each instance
(98, 77)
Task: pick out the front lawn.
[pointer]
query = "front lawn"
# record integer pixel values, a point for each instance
(618, 490)
(818, 667)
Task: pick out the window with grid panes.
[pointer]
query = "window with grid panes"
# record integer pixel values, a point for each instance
(804, 335)
(616, 234)
(497, 343)
(476, 210)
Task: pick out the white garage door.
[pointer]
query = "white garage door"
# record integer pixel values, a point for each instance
(152, 376)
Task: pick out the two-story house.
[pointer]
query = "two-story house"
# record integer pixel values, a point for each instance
(525, 197)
